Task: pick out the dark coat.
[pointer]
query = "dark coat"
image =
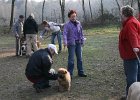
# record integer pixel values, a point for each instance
(30, 26)
(39, 63)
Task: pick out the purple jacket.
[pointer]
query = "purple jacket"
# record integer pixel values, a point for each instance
(73, 33)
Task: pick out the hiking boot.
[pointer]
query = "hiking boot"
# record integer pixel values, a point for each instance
(82, 75)
(38, 90)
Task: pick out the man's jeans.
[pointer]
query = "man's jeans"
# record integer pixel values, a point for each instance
(72, 49)
(132, 72)
(58, 34)
(42, 81)
(31, 40)
(18, 46)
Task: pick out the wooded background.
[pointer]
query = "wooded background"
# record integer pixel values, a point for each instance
(89, 11)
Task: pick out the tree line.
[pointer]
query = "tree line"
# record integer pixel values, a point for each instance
(62, 4)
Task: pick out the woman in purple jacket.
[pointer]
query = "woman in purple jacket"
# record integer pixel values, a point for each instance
(73, 39)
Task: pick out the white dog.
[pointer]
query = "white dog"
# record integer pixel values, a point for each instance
(134, 91)
(23, 48)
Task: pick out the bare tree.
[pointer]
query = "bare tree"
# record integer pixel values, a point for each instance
(26, 8)
(90, 10)
(102, 12)
(118, 5)
(119, 8)
(43, 10)
(84, 11)
(62, 5)
(12, 13)
(138, 5)
(55, 18)
(132, 1)
(138, 9)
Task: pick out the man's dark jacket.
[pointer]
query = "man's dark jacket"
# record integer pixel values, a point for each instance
(39, 63)
(30, 26)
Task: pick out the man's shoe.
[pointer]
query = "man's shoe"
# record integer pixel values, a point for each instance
(46, 86)
(38, 90)
(16, 55)
(82, 75)
(59, 51)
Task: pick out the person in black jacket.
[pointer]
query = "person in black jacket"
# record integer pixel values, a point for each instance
(38, 68)
(30, 30)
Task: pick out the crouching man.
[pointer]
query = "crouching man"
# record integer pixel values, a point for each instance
(38, 69)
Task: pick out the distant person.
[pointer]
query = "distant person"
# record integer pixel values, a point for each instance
(74, 40)
(129, 46)
(18, 30)
(38, 69)
(56, 31)
(30, 30)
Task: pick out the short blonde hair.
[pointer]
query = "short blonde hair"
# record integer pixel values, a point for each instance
(127, 11)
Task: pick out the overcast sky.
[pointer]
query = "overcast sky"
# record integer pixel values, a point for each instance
(46, 0)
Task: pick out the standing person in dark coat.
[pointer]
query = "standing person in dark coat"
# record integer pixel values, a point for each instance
(38, 69)
(30, 31)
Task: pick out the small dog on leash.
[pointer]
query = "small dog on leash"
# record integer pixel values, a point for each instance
(23, 48)
(64, 80)
(134, 91)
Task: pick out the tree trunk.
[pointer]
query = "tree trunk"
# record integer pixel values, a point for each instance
(12, 13)
(43, 10)
(62, 5)
(102, 12)
(119, 11)
(138, 5)
(55, 18)
(90, 10)
(26, 9)
(84, 11)
(132, 3)
(118, 5)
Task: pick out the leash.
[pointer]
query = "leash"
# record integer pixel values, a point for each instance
(137, 57)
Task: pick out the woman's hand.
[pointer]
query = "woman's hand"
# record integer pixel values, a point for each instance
(136, 50)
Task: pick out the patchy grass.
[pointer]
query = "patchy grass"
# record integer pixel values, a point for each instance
(101, 62)
(102, 30)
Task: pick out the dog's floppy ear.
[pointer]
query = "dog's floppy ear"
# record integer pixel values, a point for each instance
(65, 72)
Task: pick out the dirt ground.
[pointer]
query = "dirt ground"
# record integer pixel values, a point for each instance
(101, 61)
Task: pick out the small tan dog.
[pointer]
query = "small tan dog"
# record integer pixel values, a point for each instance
(64, 80)
(134, 91)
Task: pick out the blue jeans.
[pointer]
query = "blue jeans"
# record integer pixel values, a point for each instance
(132, 72)
(72, 49)
(58, 34)
(18, 46)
